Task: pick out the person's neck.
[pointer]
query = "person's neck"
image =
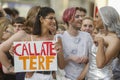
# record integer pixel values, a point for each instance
(72, 31)
(47, 36)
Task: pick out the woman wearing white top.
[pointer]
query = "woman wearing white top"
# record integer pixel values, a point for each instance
(107, 45)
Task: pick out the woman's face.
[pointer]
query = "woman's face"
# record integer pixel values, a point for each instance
(99, 23)
(7, 33)
(87, 25)
(49, 22)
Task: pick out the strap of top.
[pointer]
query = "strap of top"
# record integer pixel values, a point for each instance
(31, 38)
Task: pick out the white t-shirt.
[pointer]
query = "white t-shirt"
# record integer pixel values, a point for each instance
(79, 46)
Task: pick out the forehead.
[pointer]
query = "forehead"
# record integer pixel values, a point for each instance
(51, 14)
(77, 12)
(17, 24)
(83, 13)
(87, 20)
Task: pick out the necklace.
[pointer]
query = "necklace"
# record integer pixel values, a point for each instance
(76, 40)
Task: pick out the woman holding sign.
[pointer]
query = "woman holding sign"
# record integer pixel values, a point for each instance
(41, 32)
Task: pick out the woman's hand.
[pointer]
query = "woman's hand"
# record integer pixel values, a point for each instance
(29, 74)
(98, 40)
(80, 78)
(10, 69)
(58, 46)
(78, 60)
(60, 55)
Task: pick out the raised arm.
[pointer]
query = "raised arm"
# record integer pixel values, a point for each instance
(104, 56)
(5, 47)
(60, 55)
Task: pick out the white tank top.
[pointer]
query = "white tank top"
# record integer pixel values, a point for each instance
(95, 73)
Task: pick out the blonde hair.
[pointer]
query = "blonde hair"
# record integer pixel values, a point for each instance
(87, 17)
(30, 19)
(4, 22)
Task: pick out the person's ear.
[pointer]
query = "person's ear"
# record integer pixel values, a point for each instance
(71, 20)
(41, 19)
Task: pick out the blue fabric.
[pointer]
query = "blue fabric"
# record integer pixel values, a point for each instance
(20, 76)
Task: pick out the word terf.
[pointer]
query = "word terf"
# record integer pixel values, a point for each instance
(37, 55)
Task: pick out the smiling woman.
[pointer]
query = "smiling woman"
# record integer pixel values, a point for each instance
(45, 20)
(7, 31)
(103, 50)
(5, 28)
(87, 25)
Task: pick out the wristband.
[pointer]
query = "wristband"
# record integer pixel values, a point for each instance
(9, 67)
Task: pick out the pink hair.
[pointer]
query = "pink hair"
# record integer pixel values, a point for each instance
(68, 14)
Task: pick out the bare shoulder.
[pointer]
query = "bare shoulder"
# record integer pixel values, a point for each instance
(113, 43)
(26, 38)
(113, 46)
(112, 39)
(19, 35)
(21, 32)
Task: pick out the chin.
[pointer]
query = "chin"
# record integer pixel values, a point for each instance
(97, 27)
(77, 28)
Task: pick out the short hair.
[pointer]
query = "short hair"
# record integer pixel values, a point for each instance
(111, 19)
(1, 14)
(83, 9)
(20, 20)
(9, 12)
(69, 13)
(15, 11)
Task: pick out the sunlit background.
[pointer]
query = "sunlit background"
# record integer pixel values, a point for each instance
(59, 5)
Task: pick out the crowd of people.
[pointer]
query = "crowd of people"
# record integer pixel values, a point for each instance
(87, 48)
